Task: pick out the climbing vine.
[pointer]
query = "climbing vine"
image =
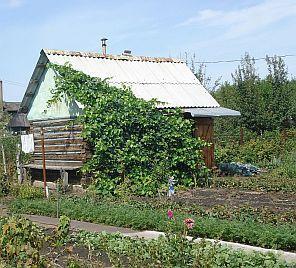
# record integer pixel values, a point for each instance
(134, 145)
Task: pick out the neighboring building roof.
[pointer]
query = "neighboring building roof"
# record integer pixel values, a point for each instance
(168, 80)
(9, 106)
(19, 120)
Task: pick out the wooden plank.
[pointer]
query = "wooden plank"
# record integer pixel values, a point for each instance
(62, 147)
(56, 122)
(60, 163)
(71, 140)
(63, 128)
(55, 156)
(54, 135)
(58, 167)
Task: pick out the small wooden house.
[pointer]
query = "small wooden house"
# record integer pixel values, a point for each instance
(166, 79)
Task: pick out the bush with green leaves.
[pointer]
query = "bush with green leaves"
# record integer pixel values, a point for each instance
(266, 104)
(26, 191)
(132, 142)
(20, 242)
(271, 150)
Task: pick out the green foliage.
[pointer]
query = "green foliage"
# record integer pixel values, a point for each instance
(26, 191)
(133, 143)
(286, 168)
(9, 143)
(272, 149)
(244, 230)
(172, 251)
(265, 182)
(265, 104)
(21, 246)
(63, 230)
(20, 242)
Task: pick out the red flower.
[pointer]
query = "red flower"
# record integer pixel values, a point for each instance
(189, 223)
(170, 214)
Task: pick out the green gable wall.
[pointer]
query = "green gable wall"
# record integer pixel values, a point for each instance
(39, 109)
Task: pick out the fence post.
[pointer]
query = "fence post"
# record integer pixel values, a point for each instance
(241, 136)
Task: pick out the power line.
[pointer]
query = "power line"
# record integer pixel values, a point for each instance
(19, 84)
(239, 60)
(14, 83)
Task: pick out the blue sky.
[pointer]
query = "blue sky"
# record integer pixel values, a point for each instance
(213, 30)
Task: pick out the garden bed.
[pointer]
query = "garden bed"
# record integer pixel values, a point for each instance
(31, 246)
(242, 226)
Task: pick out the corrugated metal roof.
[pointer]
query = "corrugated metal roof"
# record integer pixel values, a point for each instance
(212, 112)
(168, 80)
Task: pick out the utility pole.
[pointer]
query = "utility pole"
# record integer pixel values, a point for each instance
(3, 137)
(1, 97)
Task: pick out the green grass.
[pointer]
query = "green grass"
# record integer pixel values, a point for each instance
(248, 231)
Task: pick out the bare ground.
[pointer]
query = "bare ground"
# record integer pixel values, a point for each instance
(208, 197)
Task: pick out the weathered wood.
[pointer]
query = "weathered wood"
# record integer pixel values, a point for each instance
(62, 147)
(63, 128)
(204, 128)
(59, 135)
(60, 163)
(60, 156)
(71, 140)
(58, 122)
(34, 166)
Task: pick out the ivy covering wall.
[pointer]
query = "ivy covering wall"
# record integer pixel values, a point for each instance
(135, 146)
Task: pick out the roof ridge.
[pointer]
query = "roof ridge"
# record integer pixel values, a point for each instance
(109, 56)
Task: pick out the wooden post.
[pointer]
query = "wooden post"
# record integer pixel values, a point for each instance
(18, 169)
(241, 136)
(1, 97)
(3, 156)
(43, 161)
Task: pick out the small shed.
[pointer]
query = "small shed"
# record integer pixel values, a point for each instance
(19, 123)
(168, 80)
(11, 107)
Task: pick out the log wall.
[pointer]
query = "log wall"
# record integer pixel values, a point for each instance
(64, 145)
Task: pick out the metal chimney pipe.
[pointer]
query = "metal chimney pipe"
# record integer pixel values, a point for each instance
(104, 46)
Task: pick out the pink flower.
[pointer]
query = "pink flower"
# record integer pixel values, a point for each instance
(170, 214)
(189, 223)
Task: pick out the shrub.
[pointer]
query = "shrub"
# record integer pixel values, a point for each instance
(20, 242)
(269, 150)
(26, 191)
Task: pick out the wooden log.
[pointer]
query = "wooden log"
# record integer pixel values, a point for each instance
(63, 128)
(71, 140)
(57, 122)
(60, 156)
(59, 163)
(59, 135)
(62, 147)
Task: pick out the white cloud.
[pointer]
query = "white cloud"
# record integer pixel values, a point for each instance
(244, 21)
(15, 3)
